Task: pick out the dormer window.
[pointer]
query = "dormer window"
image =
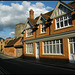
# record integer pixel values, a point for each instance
(63, 21)
(29, 32)
(43, 29)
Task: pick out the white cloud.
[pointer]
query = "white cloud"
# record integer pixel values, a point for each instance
(12, 33)
(18, 13)
(49, 8)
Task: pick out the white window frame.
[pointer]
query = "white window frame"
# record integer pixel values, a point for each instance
(51, 44)
(42, 27)
(72, 42)
(29, 47)
(30, 32)
(63, 21)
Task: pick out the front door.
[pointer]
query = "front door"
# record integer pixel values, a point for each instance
(72, 50)
(37, 51)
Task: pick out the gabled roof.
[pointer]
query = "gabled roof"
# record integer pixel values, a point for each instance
(33, 21)
(12, 42)
(68, 6)
(47, 15)
(72, 4)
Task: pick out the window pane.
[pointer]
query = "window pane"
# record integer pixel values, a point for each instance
(29, 48)
(65, 17)
(57, 48)
(61, 18)
(61, 24)
(44, 49)
(47, 49)
(50, 48)
(65, 23)
(57, 41)
(43, 29)
(53, 48)
(53, 42)
(57, 20)
(71, 48)
(61, 41)
(69, 16)
(57, 25)
(62, 48)
(70, 21)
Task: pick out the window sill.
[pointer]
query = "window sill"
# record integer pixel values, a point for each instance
(29, 36)
(64, 28)
(42, 33)
(54, 54)
(29, 53)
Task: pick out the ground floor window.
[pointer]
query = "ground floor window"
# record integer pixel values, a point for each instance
(72, 45)
(29, 48)
(53, 47)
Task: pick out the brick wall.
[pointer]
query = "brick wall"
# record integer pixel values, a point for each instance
(10, 51)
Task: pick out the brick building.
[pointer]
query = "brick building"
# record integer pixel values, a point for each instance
(2, 44)
(14, 47)
(51, 36)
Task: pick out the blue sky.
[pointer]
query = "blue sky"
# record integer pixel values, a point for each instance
(14, 12)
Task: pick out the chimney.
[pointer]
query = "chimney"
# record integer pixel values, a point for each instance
(31, 13)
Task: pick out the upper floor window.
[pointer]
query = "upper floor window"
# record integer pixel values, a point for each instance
(29, 32)
(63, 21)
(43, 29)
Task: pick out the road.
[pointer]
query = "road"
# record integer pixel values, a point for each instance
(14, 66)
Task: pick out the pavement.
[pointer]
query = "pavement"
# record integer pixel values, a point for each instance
(1, 72)
(62, 65)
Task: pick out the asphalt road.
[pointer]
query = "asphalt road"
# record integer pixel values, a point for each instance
(14, 66)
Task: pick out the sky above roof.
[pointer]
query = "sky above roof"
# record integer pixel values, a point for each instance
(14, 12)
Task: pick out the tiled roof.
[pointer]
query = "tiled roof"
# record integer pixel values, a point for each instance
(72, 4)
(33, 21)
(48, 13)
(46, 16)
(12, 42)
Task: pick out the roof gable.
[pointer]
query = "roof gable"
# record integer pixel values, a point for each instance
(61, 9)
(41, 19)
(28, 24)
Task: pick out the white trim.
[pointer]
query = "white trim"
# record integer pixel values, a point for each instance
(31, 48)
(40, 18)
(54, 54)
(64, 27)
(37, 50)
(65, 5)
(63, 20)
(42, 28)
(71, 55)
(47, 44)
(29, 36)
